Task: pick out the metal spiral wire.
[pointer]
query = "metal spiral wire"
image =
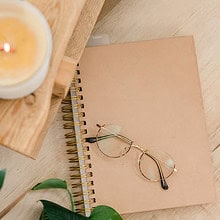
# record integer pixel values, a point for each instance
(69, 105)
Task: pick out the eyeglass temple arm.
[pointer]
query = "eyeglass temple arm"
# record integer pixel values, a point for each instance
(110, 135)
(95, 139)
(163, 182)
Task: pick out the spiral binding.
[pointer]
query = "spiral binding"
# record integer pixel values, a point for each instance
(78, 153)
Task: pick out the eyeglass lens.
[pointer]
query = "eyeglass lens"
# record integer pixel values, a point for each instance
(111, 143)
(149, 168)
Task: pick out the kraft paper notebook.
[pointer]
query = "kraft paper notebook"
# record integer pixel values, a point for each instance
(152, 89)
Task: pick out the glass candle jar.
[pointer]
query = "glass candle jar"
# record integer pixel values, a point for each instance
(25, 48)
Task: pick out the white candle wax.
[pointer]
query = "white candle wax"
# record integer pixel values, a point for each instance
(25, 48)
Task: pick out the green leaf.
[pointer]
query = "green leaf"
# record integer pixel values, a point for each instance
(2, 177)
(53, 211)
(55, 183)
(43, 216)
(104, 213)
(51, 183)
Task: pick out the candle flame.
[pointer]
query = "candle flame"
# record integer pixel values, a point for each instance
(7, 48)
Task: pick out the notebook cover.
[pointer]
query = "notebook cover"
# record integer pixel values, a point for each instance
(152, 89)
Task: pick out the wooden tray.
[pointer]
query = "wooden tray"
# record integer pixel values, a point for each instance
(24, 122)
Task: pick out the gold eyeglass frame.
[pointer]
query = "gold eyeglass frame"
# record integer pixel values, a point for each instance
(131, 144)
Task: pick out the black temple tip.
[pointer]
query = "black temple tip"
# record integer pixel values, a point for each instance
(164, 185)
(91, 139)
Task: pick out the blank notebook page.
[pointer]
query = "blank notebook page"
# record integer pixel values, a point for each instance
(152, 89)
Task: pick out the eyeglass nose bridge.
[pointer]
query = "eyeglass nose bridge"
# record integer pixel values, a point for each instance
(138, 147)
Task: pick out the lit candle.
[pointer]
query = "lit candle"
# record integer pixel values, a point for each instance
(25, 48)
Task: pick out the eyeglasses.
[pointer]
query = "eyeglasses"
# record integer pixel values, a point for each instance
(154, 165)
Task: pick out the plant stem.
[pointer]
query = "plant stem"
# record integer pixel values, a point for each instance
(71, 200)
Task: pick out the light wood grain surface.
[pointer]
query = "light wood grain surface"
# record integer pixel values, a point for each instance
(76, 45)
(30, 113)
(133, 20)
